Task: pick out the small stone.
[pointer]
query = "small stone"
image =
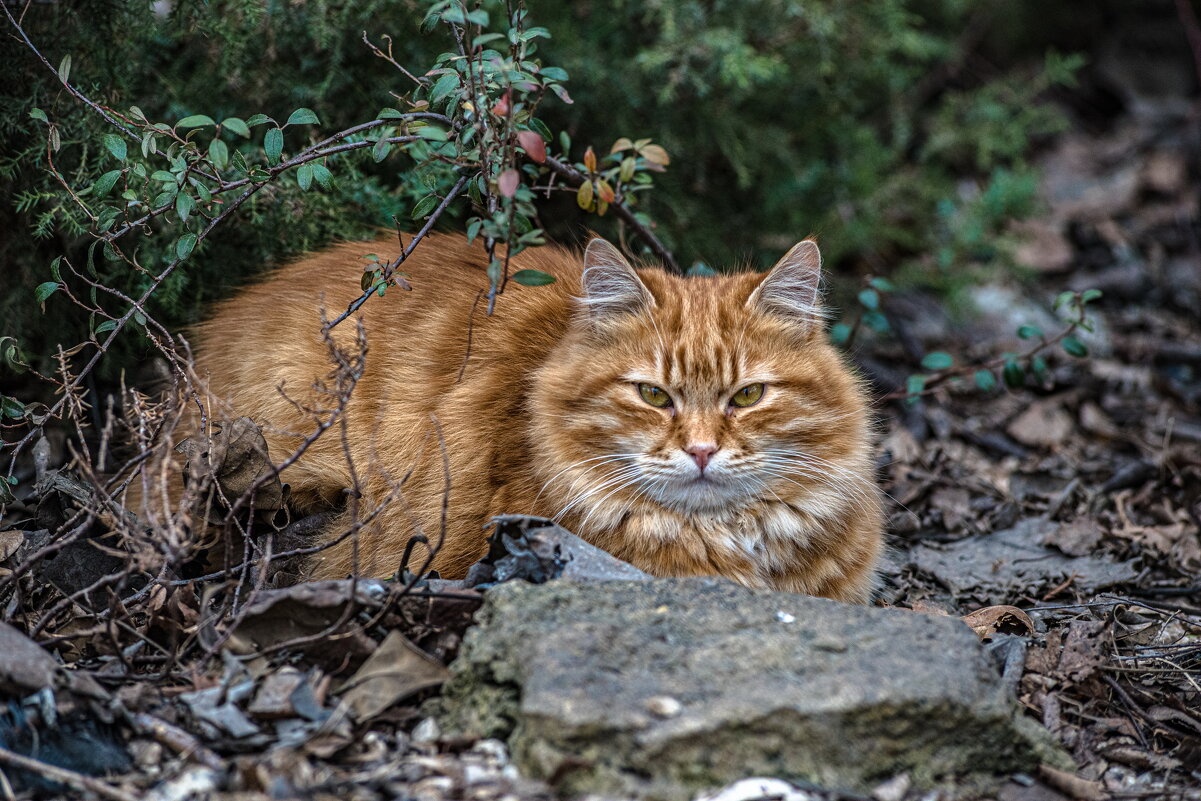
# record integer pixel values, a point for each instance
(1044, 424)
(274, 697)
(427, 731)
(785, 617)
(664, 706)
(894, 789)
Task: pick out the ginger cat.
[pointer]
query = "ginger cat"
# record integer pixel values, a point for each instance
(688, 426)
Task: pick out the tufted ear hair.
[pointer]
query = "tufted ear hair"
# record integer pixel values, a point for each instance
(611, 287)
(792, 288)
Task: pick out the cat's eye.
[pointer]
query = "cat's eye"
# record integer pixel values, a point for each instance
(747, 396)
(654, 396)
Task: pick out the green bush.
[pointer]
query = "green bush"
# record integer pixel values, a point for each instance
(783, 118)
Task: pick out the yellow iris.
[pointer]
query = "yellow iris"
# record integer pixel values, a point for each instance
(747, 396)
(654, 396)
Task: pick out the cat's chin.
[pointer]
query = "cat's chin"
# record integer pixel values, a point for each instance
(700, 496)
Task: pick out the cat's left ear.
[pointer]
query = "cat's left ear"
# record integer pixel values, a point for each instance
(792, 288)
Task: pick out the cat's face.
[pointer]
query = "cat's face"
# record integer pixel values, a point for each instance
(698, 395)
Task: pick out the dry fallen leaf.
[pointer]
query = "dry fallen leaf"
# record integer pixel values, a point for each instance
(395, 671)
(999, 620)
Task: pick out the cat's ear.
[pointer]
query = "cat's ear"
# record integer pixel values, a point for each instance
(611, 287)
(792, 288)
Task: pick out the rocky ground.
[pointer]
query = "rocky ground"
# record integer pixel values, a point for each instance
(1042, 641)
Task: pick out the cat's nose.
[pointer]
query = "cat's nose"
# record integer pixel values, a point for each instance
(701, 453)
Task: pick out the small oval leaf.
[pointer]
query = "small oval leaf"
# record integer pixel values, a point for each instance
(937, 360)
(273, 144)
(185, 246)
(508, 182)
(196, 121)
(533, 278)
(302, 116)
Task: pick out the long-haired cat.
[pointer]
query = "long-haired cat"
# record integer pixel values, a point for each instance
(688, 426)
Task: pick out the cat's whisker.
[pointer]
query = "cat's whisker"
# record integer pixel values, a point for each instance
(849, 474)
(617, 476)
(601, 461)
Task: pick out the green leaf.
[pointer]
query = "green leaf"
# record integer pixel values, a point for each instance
(533, 278)
(303, 116)
(914, 385)
(876, 322)
(478, 17)
(840, 333)
(540, 126)
(381, 150)
(273, 143)
(1029, 332)
(162, 175)
(985, 380)
(105, 183)
(553, 73)
(257, 119)
(185, 245)
(219, 154)
(1064, 297)
(1074, 347)
(236, 125)
(883, 284)
(115, 145)
(323, 176)
(304, 176)
(432, 132)
(196, 121)
(424, 206)
(1038, 366)
(389, 114)
(38, 114)
(473, 229)
(1089, 295)
(106, 326)
(1014, 374)
(937, 360)
(444, 86)
(11, 407)
(870, 299)
(45, 290)
(184, 204)
(64, 68)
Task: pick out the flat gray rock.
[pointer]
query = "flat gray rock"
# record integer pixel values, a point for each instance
(1001, 567)
(660, 689)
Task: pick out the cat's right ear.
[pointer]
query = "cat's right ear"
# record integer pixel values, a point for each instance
(611, 287)
(791, 289)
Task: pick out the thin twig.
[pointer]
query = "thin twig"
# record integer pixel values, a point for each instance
(62, 775)
(623, 212)
(390, 270)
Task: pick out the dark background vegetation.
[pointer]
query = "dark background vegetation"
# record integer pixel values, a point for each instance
(901, 132)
